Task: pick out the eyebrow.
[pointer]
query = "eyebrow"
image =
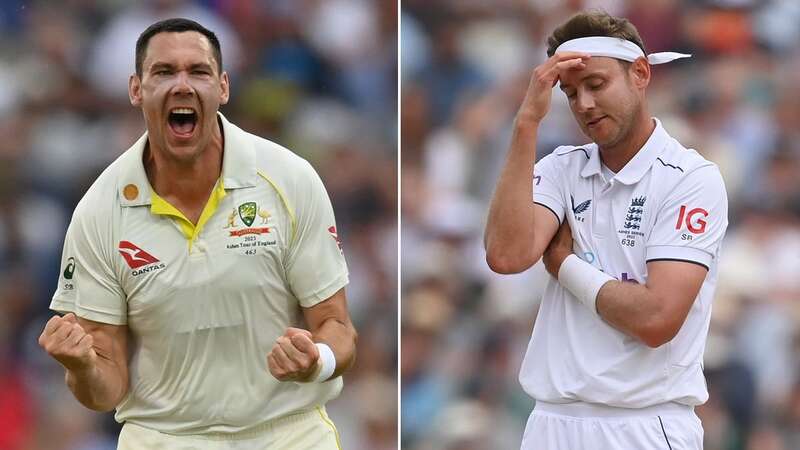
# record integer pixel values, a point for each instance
(165, 65)
(205, 66)
(160, 65)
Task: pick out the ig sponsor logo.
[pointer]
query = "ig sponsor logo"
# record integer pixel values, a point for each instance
(694, 221)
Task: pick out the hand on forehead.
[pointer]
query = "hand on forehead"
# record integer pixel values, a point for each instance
(563, 62)
(575, 69)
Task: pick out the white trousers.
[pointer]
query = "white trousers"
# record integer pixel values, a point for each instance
(310, 430)
(585, 426)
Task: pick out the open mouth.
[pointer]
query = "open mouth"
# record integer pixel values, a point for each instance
(182, 121)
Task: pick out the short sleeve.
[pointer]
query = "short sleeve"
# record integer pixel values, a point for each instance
(87, 285)
(692, 220)
(546, 186)
(315, 265)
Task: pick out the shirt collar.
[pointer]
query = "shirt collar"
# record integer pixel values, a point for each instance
(239, 160)
(238, 166)
(641, 162)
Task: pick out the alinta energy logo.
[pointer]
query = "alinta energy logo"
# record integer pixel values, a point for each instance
(69, 272)
(139, 260)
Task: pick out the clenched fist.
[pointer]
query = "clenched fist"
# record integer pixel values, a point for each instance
(65, 340)
(294, 357)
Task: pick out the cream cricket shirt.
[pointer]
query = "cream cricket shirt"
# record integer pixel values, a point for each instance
(667, 203)
(205, 304)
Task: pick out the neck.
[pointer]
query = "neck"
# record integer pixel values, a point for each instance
(617, 155)
(185, 182)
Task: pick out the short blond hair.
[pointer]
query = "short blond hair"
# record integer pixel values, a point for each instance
(593, 23)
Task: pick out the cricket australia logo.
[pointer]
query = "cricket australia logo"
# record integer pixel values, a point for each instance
(633, 219)
(247, 212)
(581, 207)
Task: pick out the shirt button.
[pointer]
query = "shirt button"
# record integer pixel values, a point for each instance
(200, 247)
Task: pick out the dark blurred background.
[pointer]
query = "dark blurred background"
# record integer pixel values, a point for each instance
(317, 76)
(465, 67)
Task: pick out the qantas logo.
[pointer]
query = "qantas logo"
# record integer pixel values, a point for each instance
(134, 256)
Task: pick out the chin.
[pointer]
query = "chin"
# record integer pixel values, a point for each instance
(182, 152)
(607, 139)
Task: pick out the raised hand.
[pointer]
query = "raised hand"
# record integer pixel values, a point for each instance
(65, 340)
(540, 88)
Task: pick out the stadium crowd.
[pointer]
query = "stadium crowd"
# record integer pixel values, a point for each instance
(465, 66)
(318, 77)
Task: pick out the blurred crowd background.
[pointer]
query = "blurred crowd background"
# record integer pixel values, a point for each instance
(465, 65)
(317, 76)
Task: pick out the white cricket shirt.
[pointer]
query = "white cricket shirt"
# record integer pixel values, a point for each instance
(667, 203)
(204, 304)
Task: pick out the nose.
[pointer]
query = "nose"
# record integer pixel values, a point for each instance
(584, 101)
(182, 85)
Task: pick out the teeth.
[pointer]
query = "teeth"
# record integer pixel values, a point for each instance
(182, 111)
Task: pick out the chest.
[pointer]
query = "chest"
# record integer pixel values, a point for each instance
(611, 222)
(233, 263)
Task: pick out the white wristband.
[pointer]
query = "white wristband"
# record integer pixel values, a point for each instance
(327, 362)
(582, 280)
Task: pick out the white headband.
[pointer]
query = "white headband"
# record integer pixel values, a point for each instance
(616, 48)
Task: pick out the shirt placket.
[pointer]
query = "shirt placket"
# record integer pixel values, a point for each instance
(602, 220)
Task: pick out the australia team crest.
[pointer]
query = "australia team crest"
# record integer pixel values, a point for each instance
(247, 212)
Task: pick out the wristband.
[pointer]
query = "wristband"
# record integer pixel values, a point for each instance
(582, 280)
(327, 363)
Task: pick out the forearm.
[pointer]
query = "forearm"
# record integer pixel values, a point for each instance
(341, 337)
(511, 213)
(100, 388)
(633, 309)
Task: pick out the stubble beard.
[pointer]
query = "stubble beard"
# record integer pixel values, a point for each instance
(625, 125)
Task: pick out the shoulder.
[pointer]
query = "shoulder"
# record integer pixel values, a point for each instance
(102, 198)
(275, 159)
(280, 167)
(684, 173)
(280, 162)
(686, 164)
(567, 152)
(569, 156)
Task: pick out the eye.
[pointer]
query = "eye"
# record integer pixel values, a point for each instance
(597, 85)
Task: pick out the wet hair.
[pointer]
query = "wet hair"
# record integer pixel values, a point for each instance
(593, 23)
(177, 25)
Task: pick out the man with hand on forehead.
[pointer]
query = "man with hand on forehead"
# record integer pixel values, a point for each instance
(203, 281)
(629, 227)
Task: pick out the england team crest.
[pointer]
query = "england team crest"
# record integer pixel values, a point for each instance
(633, 219)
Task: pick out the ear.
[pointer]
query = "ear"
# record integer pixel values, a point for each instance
(135, 90)
(639, 72)
(224, 84)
